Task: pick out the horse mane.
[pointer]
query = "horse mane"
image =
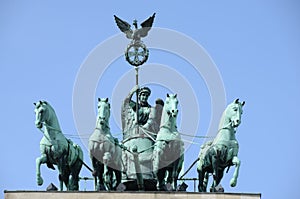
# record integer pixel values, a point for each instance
(222, 120)
(52, 113)
(48, 105)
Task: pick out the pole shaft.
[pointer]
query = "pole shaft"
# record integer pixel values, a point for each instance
(137, 99)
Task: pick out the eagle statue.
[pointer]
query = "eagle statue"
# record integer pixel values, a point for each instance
(137, 33)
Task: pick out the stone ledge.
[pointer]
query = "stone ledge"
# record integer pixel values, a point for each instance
(123, 195)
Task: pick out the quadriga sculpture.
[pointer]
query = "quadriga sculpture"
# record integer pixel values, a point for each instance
(168, 151)
(104, 151)
(56, 149)
(222, 152)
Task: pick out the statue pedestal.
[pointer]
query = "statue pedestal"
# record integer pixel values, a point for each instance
(122, 195)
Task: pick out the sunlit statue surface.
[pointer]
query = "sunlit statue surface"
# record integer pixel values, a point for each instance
(56, 149)
(136, 52)
(149, 117)
(140, 135)
(222, 152)
(168, 150)
(104, 151)
(151, 154)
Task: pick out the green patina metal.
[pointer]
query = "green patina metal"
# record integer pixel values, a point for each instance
(139, 119)
(222, 152)
(104, 151)
(151, 154)
(168, 151)
(56, 149)
(136, 52)
(139, 135)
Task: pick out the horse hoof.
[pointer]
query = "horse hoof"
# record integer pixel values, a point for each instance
(162, 188)
(211, 190)
(201, 189)
(169, 187)
(232, 183)
(101, 188)
(40, 181)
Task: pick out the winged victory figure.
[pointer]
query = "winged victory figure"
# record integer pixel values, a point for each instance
(137, 33)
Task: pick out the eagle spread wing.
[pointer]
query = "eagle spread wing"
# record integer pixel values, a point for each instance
(146, 26)
(141, 32)
(124, 27)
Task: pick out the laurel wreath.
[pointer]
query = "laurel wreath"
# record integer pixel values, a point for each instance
(132, 50)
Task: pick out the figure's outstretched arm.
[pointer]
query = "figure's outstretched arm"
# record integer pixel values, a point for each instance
(125, 109)
(128, 98)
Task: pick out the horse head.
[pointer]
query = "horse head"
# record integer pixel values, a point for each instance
(41, 113)
(234, 112)
(171, 104)
(103, 112)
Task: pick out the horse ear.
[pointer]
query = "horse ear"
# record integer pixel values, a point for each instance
(236, 101)
(243, 103)
(99, 99)
(168, 95)
(34, 104)
(106, 99)
(175, 95)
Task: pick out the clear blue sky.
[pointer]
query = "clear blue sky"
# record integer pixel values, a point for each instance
(255, 46)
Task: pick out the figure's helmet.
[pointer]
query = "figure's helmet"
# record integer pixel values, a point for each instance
(145, 90)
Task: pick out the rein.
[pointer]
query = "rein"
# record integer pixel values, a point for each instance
(106, 135)
(226, 127)
(50, 127)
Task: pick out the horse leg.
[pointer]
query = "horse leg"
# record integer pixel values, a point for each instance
(75, 170)
(160, 179)
(237, 163)
(64, 172)
(108, 175)
(118, 175)
(205, 180)
(100, 186)
(39, 161)
(95, 172)
(67, 175)
(63, 176)
(214, 161)
(219, 177)
(201, 174)
(170, 178)
(98, 173)
(174, 179)
(175, 173)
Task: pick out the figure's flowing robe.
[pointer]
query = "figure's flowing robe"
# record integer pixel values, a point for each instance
(143, 139)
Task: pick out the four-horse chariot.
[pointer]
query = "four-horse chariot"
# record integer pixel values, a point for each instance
(151, 154)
